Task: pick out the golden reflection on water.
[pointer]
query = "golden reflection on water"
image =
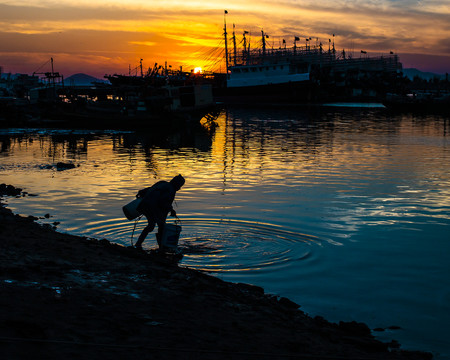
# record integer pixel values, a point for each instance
(246, 152)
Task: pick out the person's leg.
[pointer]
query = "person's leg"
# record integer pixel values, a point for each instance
(150, 226)
(160, 232)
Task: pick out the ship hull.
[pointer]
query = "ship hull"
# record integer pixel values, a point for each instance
(301, 92)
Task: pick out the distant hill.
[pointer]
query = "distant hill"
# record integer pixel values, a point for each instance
(411, 73)
(82, 80)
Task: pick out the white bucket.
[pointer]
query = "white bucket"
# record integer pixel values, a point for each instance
(170, 236)
(130, 210)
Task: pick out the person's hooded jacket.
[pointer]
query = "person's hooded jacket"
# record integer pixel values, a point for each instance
(157, 199)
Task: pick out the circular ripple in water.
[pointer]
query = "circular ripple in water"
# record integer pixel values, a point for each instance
(215, 245)
(235, 246)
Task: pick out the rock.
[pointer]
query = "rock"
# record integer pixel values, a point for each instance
(9, 190)
(394, 327)
(354, 328)
(250, 288)
(64, 166)
(288, 303)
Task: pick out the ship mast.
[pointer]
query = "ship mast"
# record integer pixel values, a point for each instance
(263, 42)
(245, 54)
(226, 41)
(234, 46)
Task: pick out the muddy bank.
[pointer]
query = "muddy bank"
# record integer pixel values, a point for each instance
(65, 296)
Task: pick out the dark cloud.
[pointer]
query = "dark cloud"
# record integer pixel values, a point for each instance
(443, 47)
(70, 13)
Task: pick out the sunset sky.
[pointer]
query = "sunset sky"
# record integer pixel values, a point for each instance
(101, 37)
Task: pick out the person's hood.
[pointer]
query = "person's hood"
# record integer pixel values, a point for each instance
(177, 182)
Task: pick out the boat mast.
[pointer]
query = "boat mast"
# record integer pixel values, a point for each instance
(225, 35)
(263, 42)
(244, 53)
(234, 46)
(248, 52)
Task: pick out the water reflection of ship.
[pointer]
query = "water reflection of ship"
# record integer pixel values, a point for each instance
(74, 144)
(304, 74)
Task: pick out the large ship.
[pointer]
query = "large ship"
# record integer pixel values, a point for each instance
(306, 73)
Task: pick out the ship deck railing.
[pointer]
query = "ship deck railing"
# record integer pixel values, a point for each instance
(316, 56)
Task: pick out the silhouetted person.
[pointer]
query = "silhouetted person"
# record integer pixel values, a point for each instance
(156, 205)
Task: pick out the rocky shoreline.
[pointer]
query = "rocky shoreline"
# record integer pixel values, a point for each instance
(65, 296)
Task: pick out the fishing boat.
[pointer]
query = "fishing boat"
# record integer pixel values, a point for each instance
(306, 73)
(151, 99)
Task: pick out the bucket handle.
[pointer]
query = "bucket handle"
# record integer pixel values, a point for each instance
(177, 220)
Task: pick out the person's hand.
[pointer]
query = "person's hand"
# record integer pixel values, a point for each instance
(173, 213)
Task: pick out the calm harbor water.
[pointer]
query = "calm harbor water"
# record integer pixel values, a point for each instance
(345, 211)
